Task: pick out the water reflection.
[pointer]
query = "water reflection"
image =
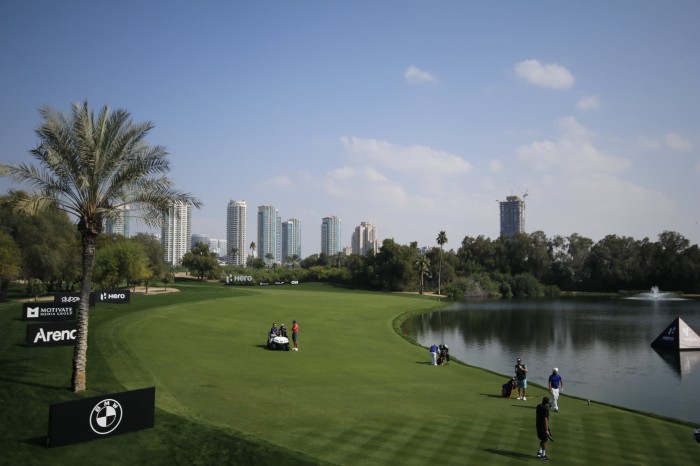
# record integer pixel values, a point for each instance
(602, 346)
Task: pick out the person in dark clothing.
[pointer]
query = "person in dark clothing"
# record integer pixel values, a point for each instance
(542, 425)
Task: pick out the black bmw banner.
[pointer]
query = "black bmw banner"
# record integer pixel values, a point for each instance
(101, 416)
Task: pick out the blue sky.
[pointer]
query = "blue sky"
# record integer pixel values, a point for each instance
(416, 116)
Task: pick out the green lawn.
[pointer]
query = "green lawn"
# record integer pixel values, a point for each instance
(356, 393)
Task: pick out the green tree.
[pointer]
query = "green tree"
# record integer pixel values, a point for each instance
(155, 252)
(90, 166)
(121, 261)
(10, 263)
(423, 266)
(253, 247)
(201, 260)
(441, 240)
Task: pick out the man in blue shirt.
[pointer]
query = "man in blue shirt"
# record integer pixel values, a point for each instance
(555, 384)
(433, 355)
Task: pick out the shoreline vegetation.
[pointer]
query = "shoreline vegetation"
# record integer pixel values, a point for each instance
(365, 398)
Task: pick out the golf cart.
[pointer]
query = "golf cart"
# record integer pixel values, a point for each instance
(275, 342)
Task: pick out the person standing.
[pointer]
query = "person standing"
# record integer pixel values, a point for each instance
(542, 425)
(433, 354)
(295, 334)
(555, 384)
(521, 378)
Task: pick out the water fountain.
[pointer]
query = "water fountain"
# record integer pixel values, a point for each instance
(656, 294)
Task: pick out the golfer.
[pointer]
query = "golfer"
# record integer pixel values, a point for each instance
(555, 384)
(433, 354)
(542, 425)
(521, 378)
(295, 334)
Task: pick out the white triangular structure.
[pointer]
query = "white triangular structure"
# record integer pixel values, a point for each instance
(678, 336)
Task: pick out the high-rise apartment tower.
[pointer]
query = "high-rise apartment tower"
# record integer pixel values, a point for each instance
(330, 236)
(176, 233)
(512, 216)
(269, 245)
(291, 238)
(236, 233)
(364, 238)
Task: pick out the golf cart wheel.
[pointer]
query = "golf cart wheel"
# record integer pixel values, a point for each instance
(273, 346)
(286, 347)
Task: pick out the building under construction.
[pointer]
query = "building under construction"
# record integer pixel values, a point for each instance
(512, 215)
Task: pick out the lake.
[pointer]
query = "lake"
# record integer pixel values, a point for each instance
(600, 345)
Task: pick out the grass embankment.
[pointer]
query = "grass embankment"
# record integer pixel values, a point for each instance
(355, 393)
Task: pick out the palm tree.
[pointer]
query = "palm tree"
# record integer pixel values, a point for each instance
(423, 264)
(252, 249)
(90, 168)
(234, 253)
(441, 240)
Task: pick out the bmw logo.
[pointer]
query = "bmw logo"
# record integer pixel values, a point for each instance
(105, 416)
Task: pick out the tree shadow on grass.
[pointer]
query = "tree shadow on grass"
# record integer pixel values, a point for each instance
(510, 454)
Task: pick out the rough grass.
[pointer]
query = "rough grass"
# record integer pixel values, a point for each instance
(355, 394)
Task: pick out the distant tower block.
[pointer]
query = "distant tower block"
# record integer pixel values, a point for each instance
(512, 216)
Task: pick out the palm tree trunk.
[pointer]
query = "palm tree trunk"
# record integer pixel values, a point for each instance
(79, 378)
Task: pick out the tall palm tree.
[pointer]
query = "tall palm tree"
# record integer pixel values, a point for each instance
(423, 264)
(253, 247)
(91, 166)
(234, 253)
(441, 240)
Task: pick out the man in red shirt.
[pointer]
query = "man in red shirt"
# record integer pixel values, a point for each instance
(295, 332)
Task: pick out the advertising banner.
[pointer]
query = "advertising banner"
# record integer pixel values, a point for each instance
(65, 297)
(52, 312)
(121, 296)
(101, 416)
(51, 334)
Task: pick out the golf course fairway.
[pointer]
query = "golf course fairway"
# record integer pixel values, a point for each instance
(356, 392)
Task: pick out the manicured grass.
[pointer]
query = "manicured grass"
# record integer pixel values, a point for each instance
(356, 393)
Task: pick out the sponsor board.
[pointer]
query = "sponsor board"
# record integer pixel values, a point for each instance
(238, 280)
(52, 334)
(48, 311)
(114, 296)
(64, 297)
(101, 416)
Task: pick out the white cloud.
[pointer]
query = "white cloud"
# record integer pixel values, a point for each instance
(415, 159)
(550, 75)
(572, 152)
(589, 103)
(415, 75)
(676, 142)
(496, 166)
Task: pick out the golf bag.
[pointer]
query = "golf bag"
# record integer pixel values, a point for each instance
(507, 388)
(443, 355)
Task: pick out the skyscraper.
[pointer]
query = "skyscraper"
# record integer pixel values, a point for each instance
(364, 238)
(236, 233)
(330, 235)
(269, 245)
(176, 234)
(120, 225)
(512, 216)
(291, 238)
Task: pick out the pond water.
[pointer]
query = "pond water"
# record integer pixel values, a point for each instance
(600, 345)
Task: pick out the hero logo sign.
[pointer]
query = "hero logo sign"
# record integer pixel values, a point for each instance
(114, 296)
(105, 416)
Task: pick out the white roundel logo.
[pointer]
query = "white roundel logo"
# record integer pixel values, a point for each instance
(105, 416)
